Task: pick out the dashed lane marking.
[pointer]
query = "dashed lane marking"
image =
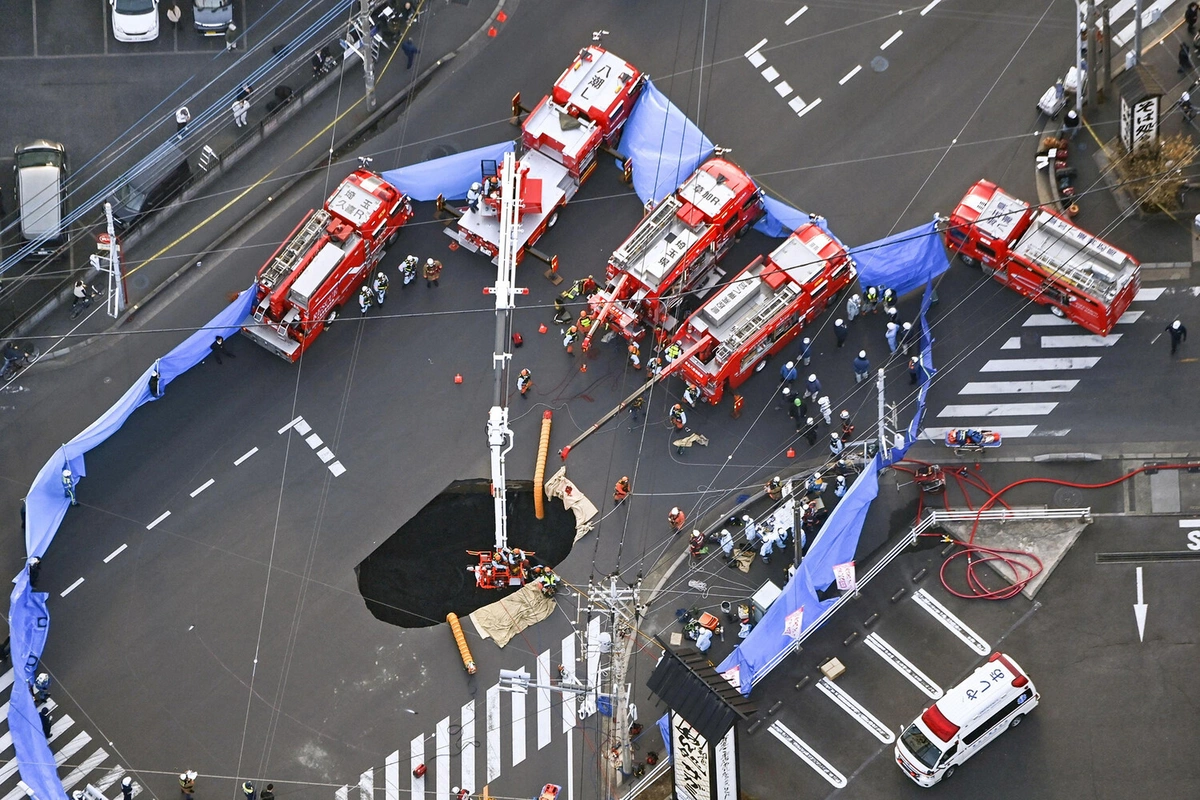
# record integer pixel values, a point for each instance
(115, 553)
(856, 711)
(809, 756)
(203, 486)
(809, 107)
(246, 455)
(159, 519)
(298, 420)
(930, 7)
(1017, 387)
(952, 623)
(796, 16)
(783, 88)
(891, 39)
(72, 587)
(850, 75)
(770, 73)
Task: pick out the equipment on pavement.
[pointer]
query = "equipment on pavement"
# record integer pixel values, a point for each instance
(560, 139)
(324, 263)
(1043, 256)
(763, 309)
(971, 439)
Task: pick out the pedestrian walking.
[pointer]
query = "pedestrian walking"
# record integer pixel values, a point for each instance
(245, 92)
(410, 51)
(1190, 14)
(241, 109)
(812, 387)
(841, 331)
(656, 367)
(41, 687)
(768, 547)
(1178, 335)
(432, 271)
(524, 381)
(853, 305)
(182, 118)
(847, 425)
(155, 383)
(862, 367)
(365, 298)
(248, 791)
(795, 407)
(892, 332)
(380, 287)
(826, 408)
(914, 370)
(267, 793)
(127, 788)
(806, 351)
(621, 489)
(1185, 58)
(218, 349)
(44, 715)
(35, 571)
(676, 518)
(231, 37)
(187, 784)
(870, 300)
(1070, 124)
(569, 337)
(810, 431)
(68, 484)
(787, 373)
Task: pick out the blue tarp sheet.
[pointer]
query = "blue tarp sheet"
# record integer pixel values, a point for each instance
(450, 176)
(666, 147)
(927, 371)
(780, 219)
(45, 507)
(664, 727)
(903, 261)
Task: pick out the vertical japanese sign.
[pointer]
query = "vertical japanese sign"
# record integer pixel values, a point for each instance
(693, 768)
(1145, 122)
(727, 771)
(1126, 125)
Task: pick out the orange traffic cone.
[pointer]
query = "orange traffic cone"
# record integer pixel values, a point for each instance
(791, 453)
(583, 367)
(458, 378)
(542, 328)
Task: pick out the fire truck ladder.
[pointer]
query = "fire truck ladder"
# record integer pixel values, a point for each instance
(660, 219)
(753, 324)
(295, 249)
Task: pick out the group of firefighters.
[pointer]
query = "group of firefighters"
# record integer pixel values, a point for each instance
(375, 292)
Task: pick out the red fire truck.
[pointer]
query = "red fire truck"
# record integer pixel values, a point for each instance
(1043, 256)
(560, 139)
(323, 263)
(763, 309)
(674, 249)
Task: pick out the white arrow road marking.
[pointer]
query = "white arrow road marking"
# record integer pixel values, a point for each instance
(1139, 609)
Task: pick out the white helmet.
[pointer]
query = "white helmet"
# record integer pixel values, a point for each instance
(1176, 325)
(807, 340)
(862, 353)
(845, 413)
(66, 472)
(907, 326)
(786, 391)
(429, 261)
(834, 437)
(816, 476)
(857, 299)
(839, 322)
(476, 187)
(746, 518)
(892, 327)
(127, 781)
(812, 377)
(675, 510)
(791, 365)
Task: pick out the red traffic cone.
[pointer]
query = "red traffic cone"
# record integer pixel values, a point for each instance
(583, 367)
(791, 452)
(458, 378)
(542, 328)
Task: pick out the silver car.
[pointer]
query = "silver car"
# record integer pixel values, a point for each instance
(212, 17)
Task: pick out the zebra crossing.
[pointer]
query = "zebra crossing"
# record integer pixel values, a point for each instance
(1121, 18)
(459, 758)
(77, 767)
(993, 402)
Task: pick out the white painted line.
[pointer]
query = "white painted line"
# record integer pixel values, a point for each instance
(203, 486)
(249, 453)
(809, 107)
(1189, 523)
(902, 665)
(366, 785)
(797, 104)
(888, 43)
(1005, 431)
(518, 727)
(290, 425)
(570, 761)
(493, 733)
(87, 765)
(115, 553)
(6, 681)
(72, 747)
(856, 711)
(756, 59)
(930, 7)
(1014, 343)
(314, 441)
(342, 793)
(955, 625)
(809, 756)
(416, 757)
(467, 753)
(1059, 342)
(850, 75)
(1017, 387)
(770, 73)
(337, 469)
(72, 587)
(783, 89)
(794, 17)
(756, 48)
(441, 758)
(302, 427)
(391, 776)
(543, 699)
(592, 653)
(160, 518)
(112, 777)
(1039, 364)
(1050, 320)
(997, 410)
(325, 454)
(1142, 294)
(569, 713)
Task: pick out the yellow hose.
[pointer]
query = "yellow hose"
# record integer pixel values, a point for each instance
(461, 641)
(539, 473)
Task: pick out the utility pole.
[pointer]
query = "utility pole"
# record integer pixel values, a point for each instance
(1079, 64)
(367, 42)
(1109, 52)
(1137, 31)
(1093, 51)
(116, 280)
(884, 448)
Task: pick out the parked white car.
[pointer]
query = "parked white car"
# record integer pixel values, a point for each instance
(135, 20)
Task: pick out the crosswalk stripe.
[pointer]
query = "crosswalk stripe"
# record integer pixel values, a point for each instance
(342, 793)
(493, 733)
(391, 776)
(1151, 293)
(997, 410)
(441, 750)
(1039, 364)
(114, 775)
(593, 666)
(1050, 320)
(569, 713)
(1013, 343)
(806, 754)
(87, 765)
(1018, 387)
(6, 680)
(952, 623)
(72, 747)
(467, 752)
(416, 757)
(1058, 342)
(543, 699)
(518, 727)
(6, 739)
(856, 710)
(1005, 431)
(366, 785)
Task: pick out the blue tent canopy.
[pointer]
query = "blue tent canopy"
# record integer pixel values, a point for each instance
(665, 146)
(450, 176)
(903, 261)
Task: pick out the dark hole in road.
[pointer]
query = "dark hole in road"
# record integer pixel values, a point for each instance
(420, 573)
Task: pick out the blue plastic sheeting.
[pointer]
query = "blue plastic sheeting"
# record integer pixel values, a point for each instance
(666, 147)
(46, 503)
(780, 219)
(838, 539)
(29, 622)
(927, 372)
(449, 176)
(664, 727)
(903, 261)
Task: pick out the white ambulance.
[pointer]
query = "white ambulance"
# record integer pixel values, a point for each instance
(994, 698)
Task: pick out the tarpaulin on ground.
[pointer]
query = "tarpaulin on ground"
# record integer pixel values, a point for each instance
(903, 261)
(559, 485)
(450, 176)
(504, 619)
(665, 146)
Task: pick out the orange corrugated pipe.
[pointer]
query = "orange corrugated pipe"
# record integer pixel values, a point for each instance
(539, 472)
(461, 641)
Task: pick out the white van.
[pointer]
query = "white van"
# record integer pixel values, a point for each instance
(41, 177)
(994, 698)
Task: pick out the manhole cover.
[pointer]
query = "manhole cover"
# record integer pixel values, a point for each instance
(1068, 497)
(141, 281)
(879, 63)
(440, 151)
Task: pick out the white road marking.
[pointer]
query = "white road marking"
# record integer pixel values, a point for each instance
(416, 757)
(902, 665)
(1189, 523)
(72, 747)
(797, 104)
(366, 785)
(809, 107)
(543, 699)
(569, 713)
(757, 59)
(1054, 342)
(952, 623)
(783, 89)
(891, 39)
(1144, 294)
(203, 486)
(467, 752)
(391, 776)
(518, 727)
(72, 587)
(441, 757)
(112, 777)
(1050, 320)
(593, 667)
(570, 768)
(248, 453)
(337, 469)
(6, 681)
(290, 425)
(756, 48)
(314, 441)
(856, 711)
(87, 765)
(997, 410)
(302, 427)
(115, 553)
(493, 733)
(342, 793)
(850, 75)
(1017, 387)
(809, 756)
(325, 454)
(1005, 431)
(930, 7)
(1013, 343)
(1039, 364)
(795, 16)
(770, 73)
(160, 518)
